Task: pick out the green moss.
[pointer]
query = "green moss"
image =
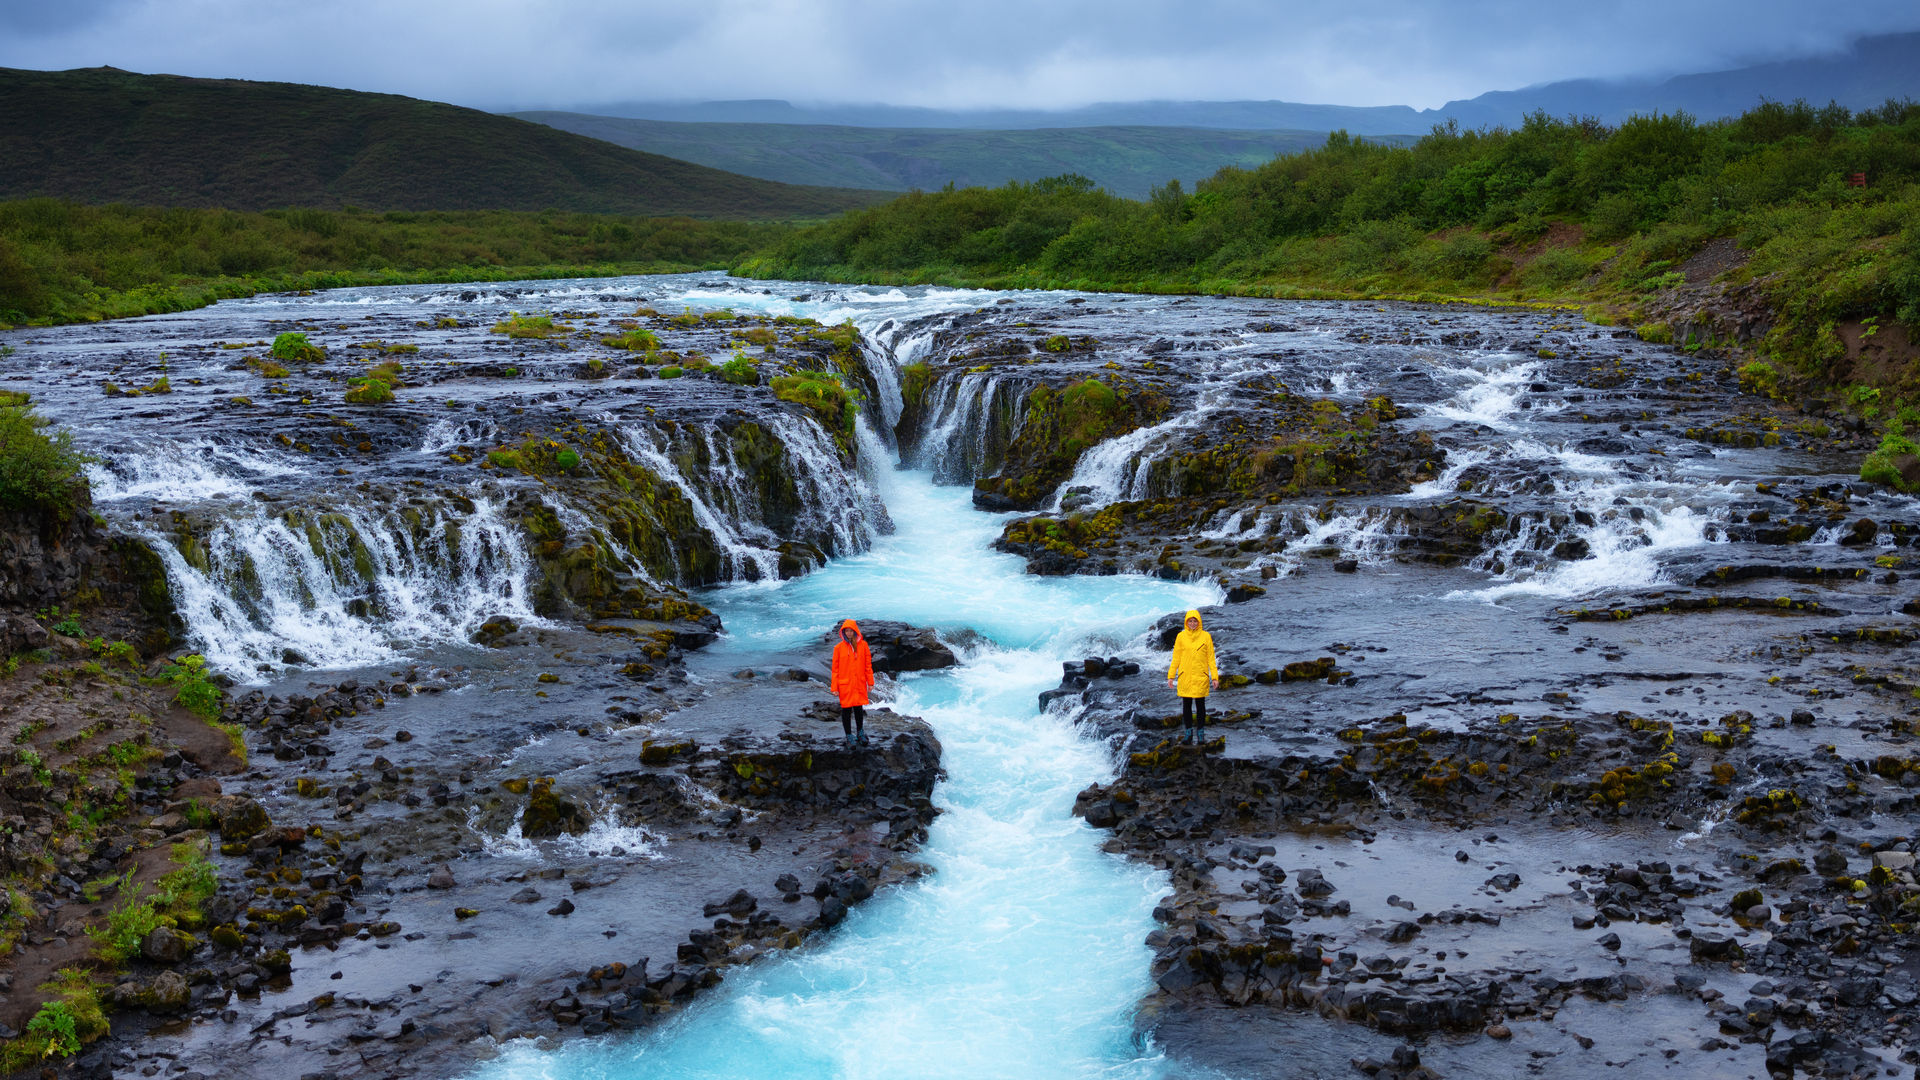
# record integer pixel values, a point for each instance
(516, 325)
(914, 380)
(368, 390)
(1883, 465)
(822, 392)
(638, 340)
(672, 371)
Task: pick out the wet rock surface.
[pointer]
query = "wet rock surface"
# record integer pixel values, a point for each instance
(1565, 716)
(1558, 712)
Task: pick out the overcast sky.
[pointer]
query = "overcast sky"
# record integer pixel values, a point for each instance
(965, 53)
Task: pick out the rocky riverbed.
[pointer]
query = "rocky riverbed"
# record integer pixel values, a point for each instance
(1565, 718)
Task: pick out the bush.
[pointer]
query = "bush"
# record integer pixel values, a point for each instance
(194, 689)
(740, 371)
(37, 471)
(56, 1024)
(293, 345)
(1759, 377)
(567, 459)
(130, 920)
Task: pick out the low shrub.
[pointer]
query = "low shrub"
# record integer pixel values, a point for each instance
(740, 371)
(37, 470)
(293, 345)
(194, 689)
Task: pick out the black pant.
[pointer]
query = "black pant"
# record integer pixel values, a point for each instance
(853, 716)
(1193, 712)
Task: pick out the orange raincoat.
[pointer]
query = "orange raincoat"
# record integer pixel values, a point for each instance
(852, 667)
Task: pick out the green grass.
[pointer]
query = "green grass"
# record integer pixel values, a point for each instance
(104, 136)
(740, 371)
(638, 340)
(368, 390)
(61, 261)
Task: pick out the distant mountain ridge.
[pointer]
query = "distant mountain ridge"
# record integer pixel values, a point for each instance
(1127, 161)
(101, 135)
(1872, 70)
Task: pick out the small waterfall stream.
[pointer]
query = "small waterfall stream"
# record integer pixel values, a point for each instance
(1022, 955)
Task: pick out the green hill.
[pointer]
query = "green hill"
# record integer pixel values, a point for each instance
(101, 135)
(1128, 161)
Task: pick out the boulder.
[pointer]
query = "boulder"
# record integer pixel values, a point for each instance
(165, 945)
(550, 814)
(1830, 861)
(238, 817)
(1303, 670)
(897, 646)
(1714, 947)
(168, 994)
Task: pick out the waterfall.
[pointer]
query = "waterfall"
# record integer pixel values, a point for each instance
(1117, 470)
(344, 586)
(962, 441)
(838, 511)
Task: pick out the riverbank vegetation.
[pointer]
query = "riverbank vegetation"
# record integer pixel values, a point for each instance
(38, 471)
(1557, 211)
(64, 262)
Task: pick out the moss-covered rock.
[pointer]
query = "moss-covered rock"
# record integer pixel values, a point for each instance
(551, 814)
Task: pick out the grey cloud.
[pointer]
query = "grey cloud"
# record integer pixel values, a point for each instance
(38, 17)
(1024, 53)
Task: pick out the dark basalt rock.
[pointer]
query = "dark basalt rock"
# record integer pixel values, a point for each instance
(898, 647)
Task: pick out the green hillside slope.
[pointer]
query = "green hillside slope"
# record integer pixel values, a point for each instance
(100, 135)
(1128, 161)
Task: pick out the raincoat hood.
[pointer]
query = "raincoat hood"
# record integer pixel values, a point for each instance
(851, 625)
(1192, 613)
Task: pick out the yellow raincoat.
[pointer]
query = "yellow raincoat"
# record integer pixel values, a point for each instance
(1193, 664)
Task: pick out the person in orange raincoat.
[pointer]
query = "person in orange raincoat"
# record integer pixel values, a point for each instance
(1191, 674)
(852, 678)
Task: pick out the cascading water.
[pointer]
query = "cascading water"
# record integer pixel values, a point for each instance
(838, 509)
(960, 442)
(1023, 954)
(345, 585)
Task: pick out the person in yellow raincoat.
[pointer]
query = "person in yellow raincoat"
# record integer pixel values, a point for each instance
(1191, 674)
(852, 679)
